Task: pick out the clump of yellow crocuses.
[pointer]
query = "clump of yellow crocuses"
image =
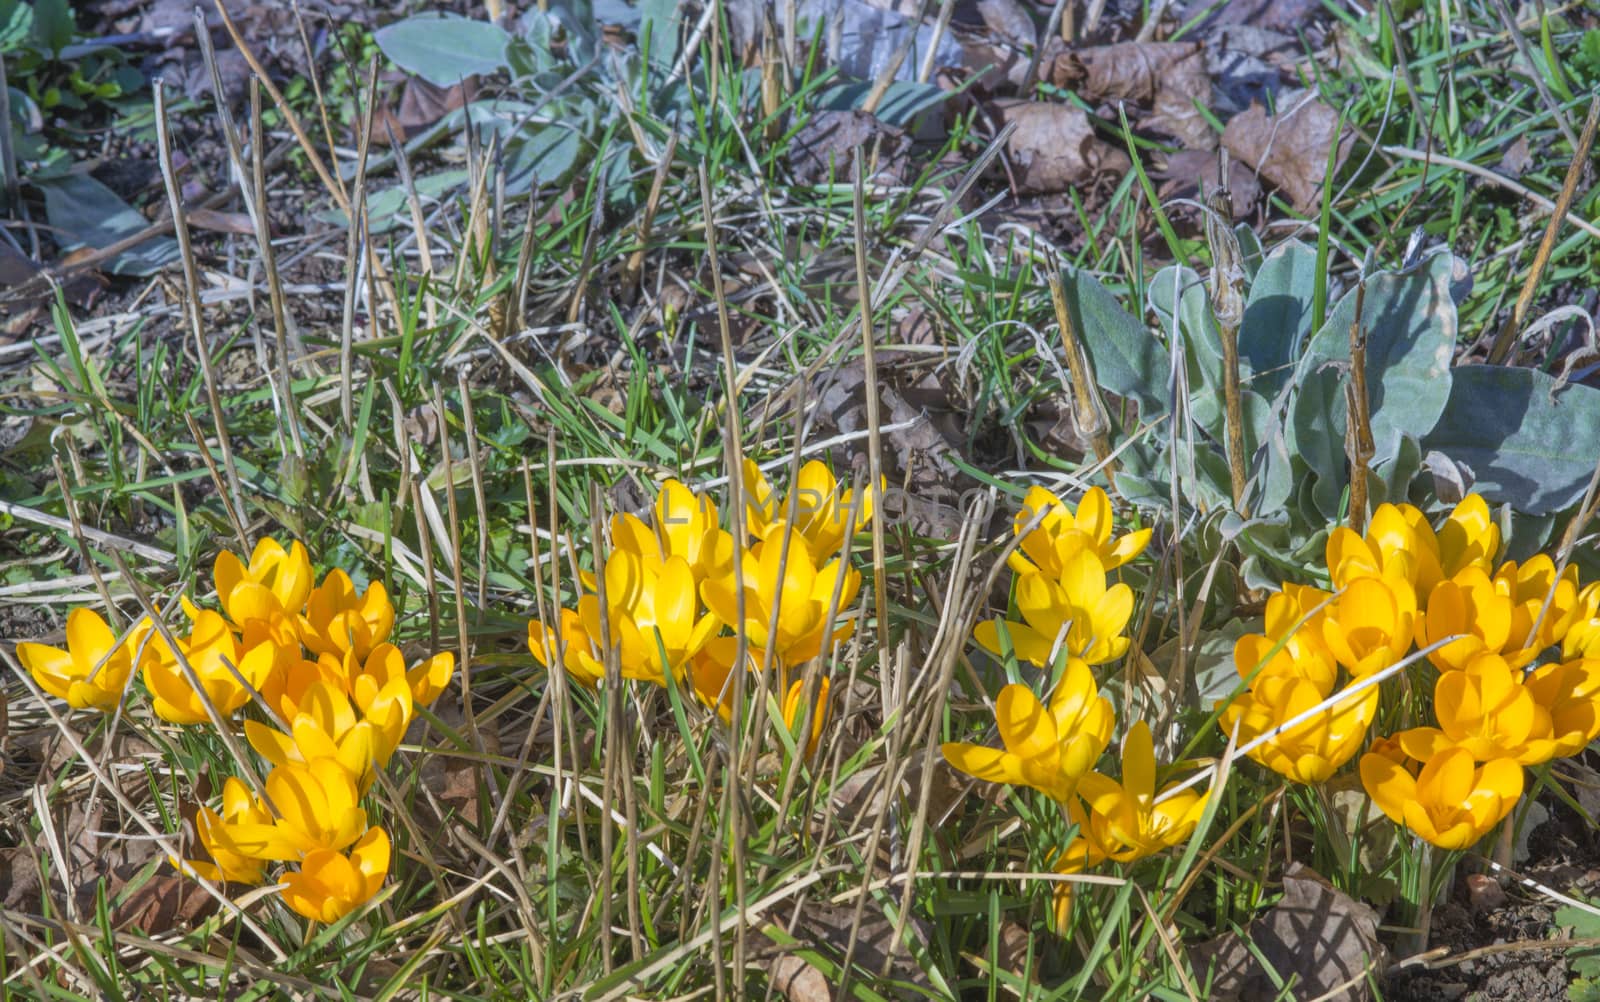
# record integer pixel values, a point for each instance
(679, 599)
(326, 696)
(1401, 586)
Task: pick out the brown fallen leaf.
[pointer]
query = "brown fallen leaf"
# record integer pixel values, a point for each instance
(1289, 149)
(1516, 160)
(825, 147)
(1124, 71)
(798, 981)
(423, 104)
(1054, 148)
(165, 901)
(221, 222)
(1009, 22)
(1193, 173)
(1318, 937)
(1272, 15)
(457, 780)
(1185, 89)
(826, 929)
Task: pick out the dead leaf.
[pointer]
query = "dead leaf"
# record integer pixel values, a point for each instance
(231, 67)
(1054, 148)
(1516, 160)
(1289, 149)
(825, 147)
(1318, 937)
(1194, 173)
(1125, 71)
(221, 222)
(798, 981)
(167, 900)
(1009, 22)
(1181, 95)
(1273, 15)
(826, 929)
(423, 104)
(1247, 65)
(456, 780)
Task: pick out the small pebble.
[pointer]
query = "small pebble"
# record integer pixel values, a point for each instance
(1485, 892)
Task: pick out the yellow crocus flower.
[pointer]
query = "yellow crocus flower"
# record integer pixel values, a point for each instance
(428, 679)
(1528, 584)
(787, 580)
(1370, 623)
(318, 809)
(330, 885)
(1570, 692)
(685, 525)
(1048, 748)
(1123, 821)
(793, 711)
(338, 619)
(239, 806)
(1497, 614)
(325, 727)
(1487, 709)
(1398, 544)
(820, 508)
(1309, 752)
(1092, 614)
(92, 672)
(1062, 534)
(1451, 803)
(653, 611)
(274, 578)
(381, 691)
(1582, 638)
(215, 655)
(1469, 537)
(569, 643)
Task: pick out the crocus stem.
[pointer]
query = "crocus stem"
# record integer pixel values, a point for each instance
(1424, 901)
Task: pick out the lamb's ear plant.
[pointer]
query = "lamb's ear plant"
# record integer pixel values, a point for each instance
(1514, 435)
(579, 102)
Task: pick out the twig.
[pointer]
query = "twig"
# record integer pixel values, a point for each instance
(97, 536)
(1227, 305)
(734, 451)
(1358, 415)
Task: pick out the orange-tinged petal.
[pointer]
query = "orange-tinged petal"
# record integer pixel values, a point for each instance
(1026, 728)
(429, 679)
(1127, 547)
(1093, 516)
(1389, 785)
(1139, 763)
(989, 764)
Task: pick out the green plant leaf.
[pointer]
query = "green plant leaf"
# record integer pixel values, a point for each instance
(660, 19)
(1180, 291)
(1410, 324)
(88, 214)
(1128, 360)
(1277, 315)
(53, 24)
(444, 49)
(902, 101)
(1525, 445)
